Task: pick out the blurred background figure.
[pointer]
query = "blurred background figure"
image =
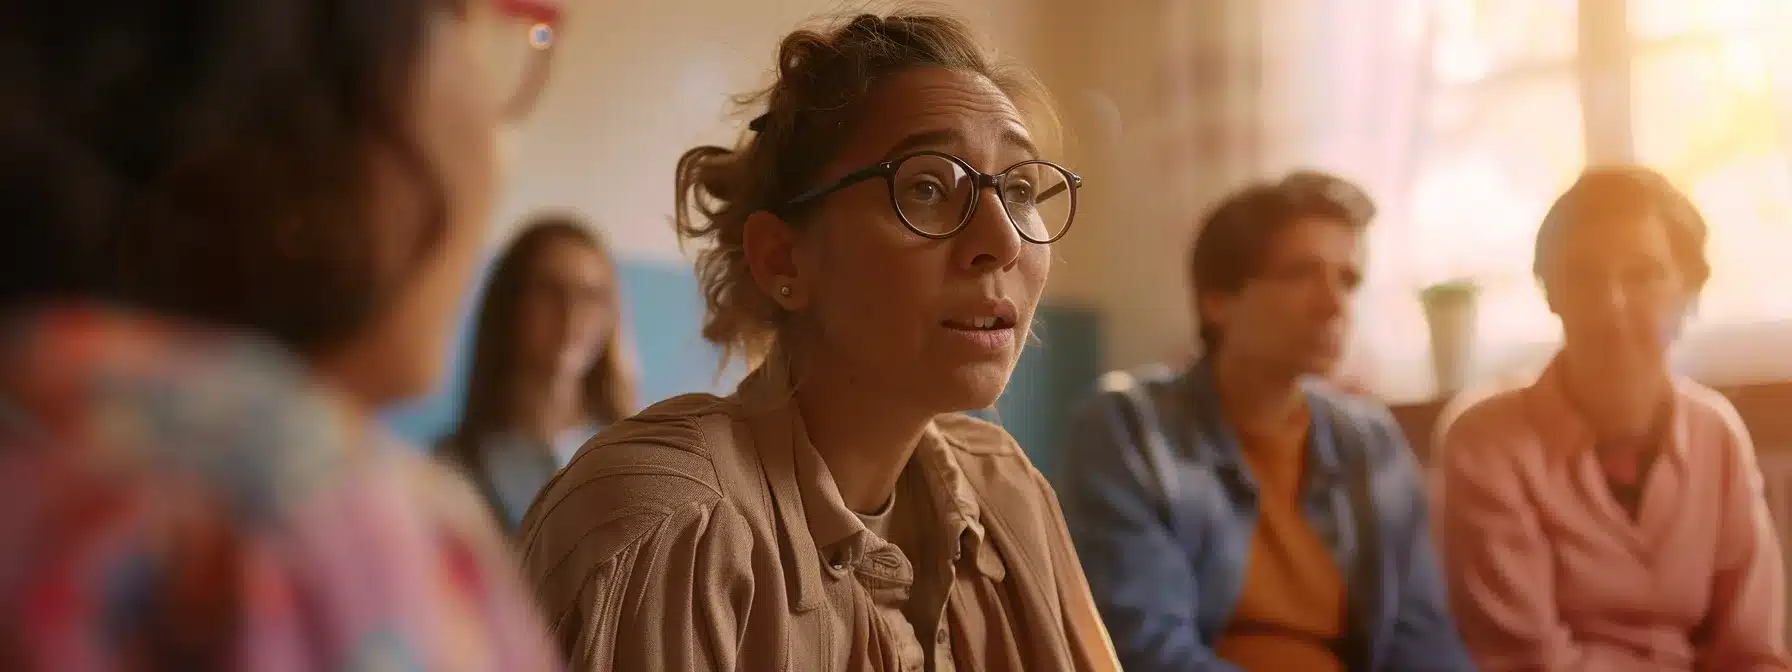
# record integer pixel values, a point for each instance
(1241, 513)
(550, 367)
(1560, 500)
(236, 228)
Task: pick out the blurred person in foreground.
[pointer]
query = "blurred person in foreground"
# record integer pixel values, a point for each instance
(1242, 514)
(882, 239)
(549, 365)
(1609, 516)
(239, 227)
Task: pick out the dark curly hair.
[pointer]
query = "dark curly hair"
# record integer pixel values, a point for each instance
(209, 159)
(823, 73)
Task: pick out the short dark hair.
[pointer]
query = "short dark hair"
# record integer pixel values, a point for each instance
(1234, 237)
(209, 159)
(1616, 193)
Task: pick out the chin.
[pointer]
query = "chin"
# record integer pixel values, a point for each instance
(973, 386)
(1323, 365)
(401, 378)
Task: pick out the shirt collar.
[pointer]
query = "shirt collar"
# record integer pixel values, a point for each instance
(1202, 399)
(1548, 404)
(821, 528)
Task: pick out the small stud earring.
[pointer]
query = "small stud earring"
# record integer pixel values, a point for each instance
(784, 290)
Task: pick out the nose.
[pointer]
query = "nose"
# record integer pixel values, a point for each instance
(1334, 299)
(1607, 301)
(989, 242)
(564, 309)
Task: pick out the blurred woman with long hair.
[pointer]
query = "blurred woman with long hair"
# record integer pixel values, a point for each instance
(549, 364)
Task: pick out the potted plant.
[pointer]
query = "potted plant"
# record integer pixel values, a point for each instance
(1451, 315)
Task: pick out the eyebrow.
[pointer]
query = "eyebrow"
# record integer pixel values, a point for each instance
(946, 136)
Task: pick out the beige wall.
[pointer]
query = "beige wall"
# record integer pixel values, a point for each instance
(638, 83)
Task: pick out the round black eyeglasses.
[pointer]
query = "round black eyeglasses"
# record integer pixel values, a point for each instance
(935, 194)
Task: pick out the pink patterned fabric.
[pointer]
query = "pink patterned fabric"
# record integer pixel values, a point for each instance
(178, 499)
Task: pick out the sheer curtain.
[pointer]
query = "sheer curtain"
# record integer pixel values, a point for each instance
(1497, 134)
(1255, 88)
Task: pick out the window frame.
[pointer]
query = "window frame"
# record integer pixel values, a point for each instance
(1604, 64)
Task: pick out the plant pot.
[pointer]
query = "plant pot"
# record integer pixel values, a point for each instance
(1451, 314)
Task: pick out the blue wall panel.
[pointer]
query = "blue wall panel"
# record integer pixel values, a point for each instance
(1053, 375)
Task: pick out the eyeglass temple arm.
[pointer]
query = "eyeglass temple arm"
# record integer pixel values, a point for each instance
(845, 181)
(546, 15)
(539, 11)
(1075, 180)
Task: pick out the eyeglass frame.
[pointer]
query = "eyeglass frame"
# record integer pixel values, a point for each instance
(541, 33)
(980, 181)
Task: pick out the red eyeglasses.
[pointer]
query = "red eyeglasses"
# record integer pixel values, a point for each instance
(523, 39)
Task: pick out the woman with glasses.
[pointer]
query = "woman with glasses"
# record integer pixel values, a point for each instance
(236, 229)
(876, 246)
(1609, 516)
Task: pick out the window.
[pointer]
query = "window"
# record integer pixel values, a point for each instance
(1708, 113)
(1703, 94)
(1498, 136)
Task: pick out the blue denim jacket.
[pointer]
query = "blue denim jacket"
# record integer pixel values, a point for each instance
(1162, 509)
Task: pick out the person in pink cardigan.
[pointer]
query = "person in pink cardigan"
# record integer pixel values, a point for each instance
(1609, 516)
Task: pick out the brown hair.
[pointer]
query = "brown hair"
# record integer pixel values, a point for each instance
(823, 73)
(491, 384)
(211, 163)
(1614, 193)
(1234, 238)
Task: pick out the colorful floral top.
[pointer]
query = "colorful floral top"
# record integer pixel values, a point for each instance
(186, 500)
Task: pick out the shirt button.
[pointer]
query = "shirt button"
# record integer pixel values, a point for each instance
(940, 636)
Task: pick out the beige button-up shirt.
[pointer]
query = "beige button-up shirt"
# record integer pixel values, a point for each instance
(706, 534)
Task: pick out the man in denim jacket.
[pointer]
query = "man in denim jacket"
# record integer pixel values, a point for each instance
(1240, 514)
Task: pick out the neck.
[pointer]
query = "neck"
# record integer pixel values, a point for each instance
(349, 394)
(864, 439)
(1253, 396)
(1617, 408)
(549, 404)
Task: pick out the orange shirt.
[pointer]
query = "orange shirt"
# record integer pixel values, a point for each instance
(1290, 614)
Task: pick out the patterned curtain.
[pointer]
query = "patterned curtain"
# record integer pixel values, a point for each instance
(1253, 88)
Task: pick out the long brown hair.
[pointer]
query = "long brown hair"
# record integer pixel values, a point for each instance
(609, 389)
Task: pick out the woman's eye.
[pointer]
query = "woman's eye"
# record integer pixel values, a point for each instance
(1018, 192)
(926, 191)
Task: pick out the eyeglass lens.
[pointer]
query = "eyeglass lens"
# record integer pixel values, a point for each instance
(935, 195)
